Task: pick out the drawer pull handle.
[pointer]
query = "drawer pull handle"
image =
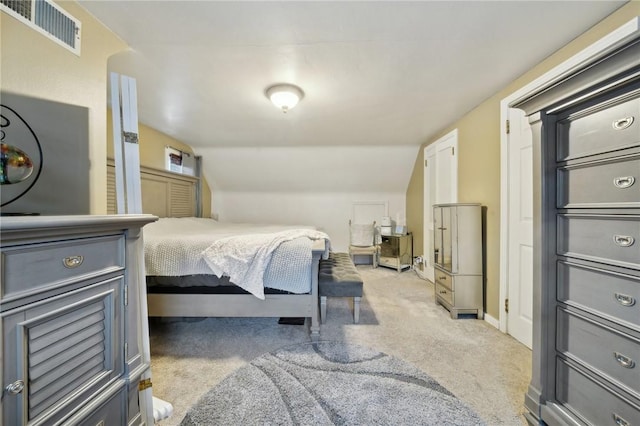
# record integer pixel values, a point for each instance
(624, 240)
(623, 123)
(15, 387)
(624, 360)
(620, 421)
(72, 261)
(623, 182)
(443, 291)
(625, 300)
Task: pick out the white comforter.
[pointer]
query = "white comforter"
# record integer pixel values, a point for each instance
(191, 246)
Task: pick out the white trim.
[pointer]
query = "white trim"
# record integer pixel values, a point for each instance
(607, 43)
(491, 320)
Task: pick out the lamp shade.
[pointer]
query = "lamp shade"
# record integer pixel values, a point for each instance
(284, 96)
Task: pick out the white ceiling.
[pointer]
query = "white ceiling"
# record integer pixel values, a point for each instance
(374, 73)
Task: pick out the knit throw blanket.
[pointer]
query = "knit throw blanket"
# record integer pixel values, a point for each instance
(244, 258)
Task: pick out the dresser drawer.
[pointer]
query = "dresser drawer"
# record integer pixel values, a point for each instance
(444, 293)
(28, 267)
(607, 239)
(590, 401)
(602, 348)
(612, 183)
(601, 131)
(604, 292)
(445, 279)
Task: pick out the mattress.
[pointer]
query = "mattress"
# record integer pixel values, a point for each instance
(179, 247)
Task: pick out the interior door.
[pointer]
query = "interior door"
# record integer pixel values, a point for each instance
(429, 201)
(440, 186)
(520, 221)
(447, 169)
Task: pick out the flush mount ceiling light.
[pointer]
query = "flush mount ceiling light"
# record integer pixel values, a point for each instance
(284, 96)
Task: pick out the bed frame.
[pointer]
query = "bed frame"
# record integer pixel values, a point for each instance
(244, 305)
(167, 194)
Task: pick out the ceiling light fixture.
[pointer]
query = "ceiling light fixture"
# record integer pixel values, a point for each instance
(284, 96)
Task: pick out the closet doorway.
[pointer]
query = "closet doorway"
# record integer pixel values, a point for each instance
(440, 186)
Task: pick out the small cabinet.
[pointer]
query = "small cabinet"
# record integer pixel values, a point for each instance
(396, 251)
(70, 320)
(457, 257)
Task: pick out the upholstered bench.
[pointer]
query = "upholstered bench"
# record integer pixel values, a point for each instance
(338, 277)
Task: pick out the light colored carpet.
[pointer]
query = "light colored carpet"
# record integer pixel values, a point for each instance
(325, 384)
(486, 369)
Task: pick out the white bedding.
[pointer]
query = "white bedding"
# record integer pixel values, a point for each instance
(253, 256)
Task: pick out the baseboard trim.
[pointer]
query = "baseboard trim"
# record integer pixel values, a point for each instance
(492, 321)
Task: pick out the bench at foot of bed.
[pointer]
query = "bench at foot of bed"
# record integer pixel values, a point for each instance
(338, 277)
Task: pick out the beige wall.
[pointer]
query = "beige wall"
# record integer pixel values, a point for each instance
(32, 65)
(152, 144)
(479, 154)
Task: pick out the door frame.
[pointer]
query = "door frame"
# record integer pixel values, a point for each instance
(604, 45)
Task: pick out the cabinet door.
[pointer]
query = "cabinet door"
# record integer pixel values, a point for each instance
(444, 231)
(437, 233)
(60, 351)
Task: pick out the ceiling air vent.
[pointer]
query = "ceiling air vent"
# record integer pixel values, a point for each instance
(47, 18)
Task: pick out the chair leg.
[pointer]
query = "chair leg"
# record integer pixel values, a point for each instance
(323, 309)
(356, 310)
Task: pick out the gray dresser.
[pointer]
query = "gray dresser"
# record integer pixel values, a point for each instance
(71, 320)
(458, 258)
(586, 328)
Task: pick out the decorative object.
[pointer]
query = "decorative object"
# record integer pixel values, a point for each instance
(284, 96)
(328, 383)
(17, 164)
(55, 138)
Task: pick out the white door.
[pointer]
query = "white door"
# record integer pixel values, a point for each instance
(440, 186)
(447, 168)
(520, 221)
(429, 201)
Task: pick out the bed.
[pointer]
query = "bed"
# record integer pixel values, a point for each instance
(196, 292)
(199, 267)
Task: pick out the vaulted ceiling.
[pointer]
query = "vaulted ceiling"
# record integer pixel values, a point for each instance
(383, 76)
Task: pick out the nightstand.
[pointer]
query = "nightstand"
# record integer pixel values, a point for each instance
(396, 251)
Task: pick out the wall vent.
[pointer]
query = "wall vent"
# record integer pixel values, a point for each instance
(47, 18)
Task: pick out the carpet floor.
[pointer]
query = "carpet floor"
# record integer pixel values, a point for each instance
(487, 370)
(329, 383)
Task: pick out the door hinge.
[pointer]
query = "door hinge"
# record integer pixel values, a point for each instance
(126, 295)
(144, 384)
(508, 127)
(453, 151)
(425, 163)
(506, 305)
